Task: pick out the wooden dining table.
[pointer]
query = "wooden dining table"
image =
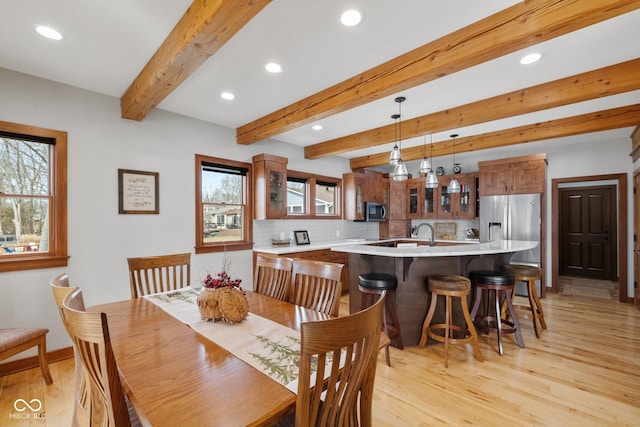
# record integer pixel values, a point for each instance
(175, 376)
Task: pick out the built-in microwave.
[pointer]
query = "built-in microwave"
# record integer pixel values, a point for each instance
(375, 211)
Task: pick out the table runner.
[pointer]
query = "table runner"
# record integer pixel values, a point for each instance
(268, 346)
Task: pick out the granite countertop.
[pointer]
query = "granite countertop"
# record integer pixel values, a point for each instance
(277, 250)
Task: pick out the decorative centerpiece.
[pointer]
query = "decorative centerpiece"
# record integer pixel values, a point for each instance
(222, 298)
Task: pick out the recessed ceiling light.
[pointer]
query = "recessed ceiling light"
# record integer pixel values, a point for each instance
(273, 67)
(228, 96)
(530, 58)
(316, 127)
(351, 17)
(48, 32)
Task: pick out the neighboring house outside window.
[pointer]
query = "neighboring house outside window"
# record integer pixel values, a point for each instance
(33, 197)
(313, 197)
(223, 205)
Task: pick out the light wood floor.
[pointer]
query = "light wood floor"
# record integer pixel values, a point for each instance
(584, 371)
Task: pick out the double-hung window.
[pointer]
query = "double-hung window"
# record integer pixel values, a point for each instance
(223, 205)
(312, 196)
(33, 197)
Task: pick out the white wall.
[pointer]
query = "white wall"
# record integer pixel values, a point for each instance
(591, 159)
(100, 239)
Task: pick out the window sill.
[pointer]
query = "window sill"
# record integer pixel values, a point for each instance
(31, 262)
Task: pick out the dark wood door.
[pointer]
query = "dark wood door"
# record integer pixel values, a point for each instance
(588, 232)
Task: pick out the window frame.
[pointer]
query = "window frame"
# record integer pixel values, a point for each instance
(310, 195)
(302, 178)
(57, 256)
(247, 216)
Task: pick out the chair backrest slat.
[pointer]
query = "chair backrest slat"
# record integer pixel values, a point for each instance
(316, 285)
(150, 275)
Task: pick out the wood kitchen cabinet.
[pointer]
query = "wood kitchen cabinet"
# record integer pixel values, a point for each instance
(397, 224)
(373, 187)
(421, 201)
(518, 175)
(362, 187)
(460, 205)
(353, 200)
(270, 186)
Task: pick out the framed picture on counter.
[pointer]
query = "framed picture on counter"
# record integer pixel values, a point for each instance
(302, 237)
(137, 192)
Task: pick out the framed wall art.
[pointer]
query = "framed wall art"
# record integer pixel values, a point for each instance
(302, 237)
(138, 192)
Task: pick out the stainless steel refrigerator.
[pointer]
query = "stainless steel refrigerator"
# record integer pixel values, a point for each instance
(513, 217)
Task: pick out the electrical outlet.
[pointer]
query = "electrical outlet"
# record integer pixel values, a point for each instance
(337, 233)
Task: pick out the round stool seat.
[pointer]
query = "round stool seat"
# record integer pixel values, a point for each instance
(378, 281)
(449, 283)
(520, 270)
(495, 278)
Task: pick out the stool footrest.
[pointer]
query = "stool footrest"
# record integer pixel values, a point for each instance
(441, 338)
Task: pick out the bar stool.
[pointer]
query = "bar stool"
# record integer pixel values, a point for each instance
(529, 275)
(497, 285)
(385, 342)
(450, 286)
(374, 283)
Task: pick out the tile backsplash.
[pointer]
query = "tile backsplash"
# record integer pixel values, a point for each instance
(318, 230)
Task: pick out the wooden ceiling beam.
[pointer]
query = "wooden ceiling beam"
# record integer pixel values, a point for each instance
(525, 24)
(203, 29)
(614, 118)
(607, 81)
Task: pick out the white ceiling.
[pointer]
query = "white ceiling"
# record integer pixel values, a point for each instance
(107, 43)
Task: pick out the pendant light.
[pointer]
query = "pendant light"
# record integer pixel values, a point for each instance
(394, 156)
(432, 178)
(454, 185)
(425, 165)
(400, 171)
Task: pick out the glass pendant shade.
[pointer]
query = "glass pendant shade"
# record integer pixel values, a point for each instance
(454, 186)
(400, 172)
(394, 157)
(425, 166)
(432, 180)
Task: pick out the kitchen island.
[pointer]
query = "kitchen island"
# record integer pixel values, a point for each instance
(412, 264)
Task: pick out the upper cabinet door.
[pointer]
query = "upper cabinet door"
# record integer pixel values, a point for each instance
(494, 180)
(270, 186)
(527, 177)
(353, 202)
(460, 205)
(519, 175)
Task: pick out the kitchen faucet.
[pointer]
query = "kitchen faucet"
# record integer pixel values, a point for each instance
(416, 230)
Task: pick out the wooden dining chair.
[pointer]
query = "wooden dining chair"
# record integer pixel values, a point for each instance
(345, 397)
(150, 275)
(16, 340)
(60, 287)
(273, 276)
(90, 335)
(316, 285)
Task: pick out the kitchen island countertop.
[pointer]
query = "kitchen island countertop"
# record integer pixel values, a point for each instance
(462, 249)
(277, 250)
